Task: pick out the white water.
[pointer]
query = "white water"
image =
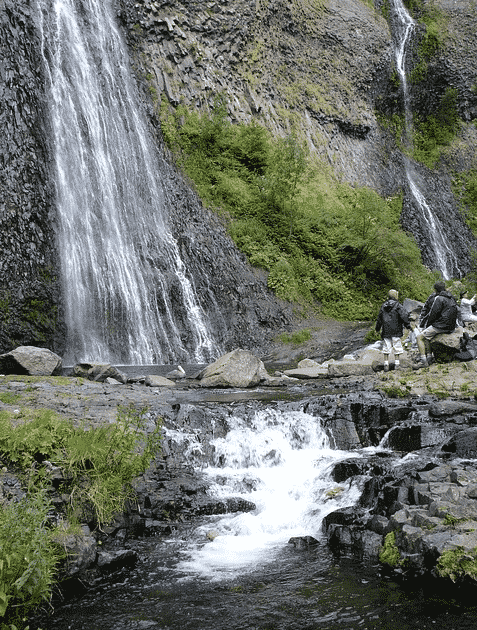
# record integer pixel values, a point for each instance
(125, 284)
(281, 461)
(445, 259)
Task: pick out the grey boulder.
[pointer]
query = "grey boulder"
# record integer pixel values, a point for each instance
(31, 361)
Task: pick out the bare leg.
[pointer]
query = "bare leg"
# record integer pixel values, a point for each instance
(424, 347)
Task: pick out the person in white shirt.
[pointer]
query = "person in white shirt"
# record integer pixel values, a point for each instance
(466, 305)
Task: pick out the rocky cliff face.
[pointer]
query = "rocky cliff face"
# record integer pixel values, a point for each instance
(242, 311)
(30, 300)
(326, 65)
(320, 64)
(330, 68)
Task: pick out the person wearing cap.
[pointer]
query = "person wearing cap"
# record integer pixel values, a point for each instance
(391, 320)
(466, 305)
(438, 315)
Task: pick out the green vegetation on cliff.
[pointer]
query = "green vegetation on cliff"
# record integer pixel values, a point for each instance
(436, 131)
(322, 241)
(465, 186)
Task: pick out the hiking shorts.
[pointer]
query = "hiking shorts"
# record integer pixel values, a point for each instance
(429, 333)
(392, 343)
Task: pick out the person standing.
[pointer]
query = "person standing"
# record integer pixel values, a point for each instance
(391, 321)
(438, 315)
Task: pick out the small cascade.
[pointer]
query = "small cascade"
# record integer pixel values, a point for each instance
(128, 297)
(442, 254)
(281, 461)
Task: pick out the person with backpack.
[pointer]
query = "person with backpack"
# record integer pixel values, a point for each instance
(391, 320)
(438, 315)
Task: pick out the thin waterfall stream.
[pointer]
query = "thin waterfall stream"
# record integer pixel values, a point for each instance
(126, 288)
(445, 259)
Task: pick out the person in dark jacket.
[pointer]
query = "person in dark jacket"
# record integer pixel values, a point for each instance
(438, 315)
(391, 321)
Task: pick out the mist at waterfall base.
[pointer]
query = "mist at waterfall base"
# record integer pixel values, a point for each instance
(249, 576)
(128, 297)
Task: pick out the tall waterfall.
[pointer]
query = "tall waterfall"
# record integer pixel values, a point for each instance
(444, 258)
(128, 296)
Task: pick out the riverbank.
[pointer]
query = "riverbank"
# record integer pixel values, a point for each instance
(427, 417)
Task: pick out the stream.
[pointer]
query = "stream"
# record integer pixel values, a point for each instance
(240, 570)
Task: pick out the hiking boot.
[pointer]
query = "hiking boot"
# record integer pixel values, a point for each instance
(422, 363)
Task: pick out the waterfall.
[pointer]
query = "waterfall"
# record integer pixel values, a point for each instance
(444, 258)
(282, 462)
(128, 297)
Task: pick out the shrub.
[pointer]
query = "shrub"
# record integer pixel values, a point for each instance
(100, 462)
(29, 557)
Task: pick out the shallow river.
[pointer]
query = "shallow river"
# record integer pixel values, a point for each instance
(239, 571)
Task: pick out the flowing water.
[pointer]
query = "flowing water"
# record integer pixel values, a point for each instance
(238, 571)
(128, 296)
(444, 257)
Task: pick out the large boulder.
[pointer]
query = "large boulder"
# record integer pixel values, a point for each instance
(349, 368)
(98, 372)
(446, 345)
(463, 444)
(80, 550)
(239, 368)
(307, 368)
(154, 380)
(31, 361)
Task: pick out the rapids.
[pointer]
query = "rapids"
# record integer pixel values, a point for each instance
(249, 576)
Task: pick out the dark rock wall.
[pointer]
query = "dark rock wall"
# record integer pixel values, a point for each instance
(329, 68)
(318, 65)
(453, 66)
(241, 310)
(29, 288)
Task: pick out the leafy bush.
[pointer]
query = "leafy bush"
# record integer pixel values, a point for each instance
(437, 130)
(100, 462)
(29, 558)
(99, 465)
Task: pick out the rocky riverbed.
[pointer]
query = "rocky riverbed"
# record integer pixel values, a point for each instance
(418, 499)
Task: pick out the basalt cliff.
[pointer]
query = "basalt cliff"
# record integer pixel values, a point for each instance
(328, 66)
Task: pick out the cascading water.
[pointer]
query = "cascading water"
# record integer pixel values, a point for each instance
(444, 258)
(128, 297)
(281, 461)
(248, 576)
